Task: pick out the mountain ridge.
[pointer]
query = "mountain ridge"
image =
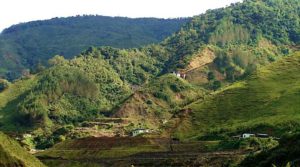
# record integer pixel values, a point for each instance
(27, 45)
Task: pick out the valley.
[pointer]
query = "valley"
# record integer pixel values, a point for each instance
(222, 90)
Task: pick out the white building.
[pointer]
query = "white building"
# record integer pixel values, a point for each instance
(248, 135)
(179, 75)
(139, 131)
(27, 135)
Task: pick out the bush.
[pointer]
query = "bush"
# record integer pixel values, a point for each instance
(162, 96)
(43, 142)
(212, 137)
(3, 84)
(216, 85)
(230, 144)
(149, 102)
(64, 130)
(211, 76)
(175, 88)
(158, 113)
(61, 138)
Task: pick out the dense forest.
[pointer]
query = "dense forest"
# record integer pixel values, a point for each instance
(27, 46)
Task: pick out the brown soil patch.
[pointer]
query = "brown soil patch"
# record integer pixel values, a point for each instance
(205, 57)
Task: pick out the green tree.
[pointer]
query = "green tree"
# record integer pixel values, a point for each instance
(216, 85)
(211, 76)
(57, 60)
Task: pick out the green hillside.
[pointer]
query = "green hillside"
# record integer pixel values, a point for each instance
(244, 36)
(11, 154)
(70, 91)
(25, 45)
(266, 102)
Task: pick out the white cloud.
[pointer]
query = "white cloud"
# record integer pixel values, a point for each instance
(16, 11)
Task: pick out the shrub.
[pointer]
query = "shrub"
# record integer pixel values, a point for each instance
(162, 96)
(158, 113)
(211, 76)
(64, 130)
(175, 88)
(149, 102)
(216, 85)
(3, 84)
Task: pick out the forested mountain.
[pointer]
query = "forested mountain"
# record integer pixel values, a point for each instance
(243, 35)
(28, 45)
(225, 72)
(227, 43)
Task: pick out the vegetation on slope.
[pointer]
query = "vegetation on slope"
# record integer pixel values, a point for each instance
(97, 82)
(236, 33)
(26, 45)
(155, 103)
(11, 154)
(92, 85)
(286, 153)
(136, 66)
(267, 102)
(9, 100)
(237, 55)
(73, 91)
(70, 92)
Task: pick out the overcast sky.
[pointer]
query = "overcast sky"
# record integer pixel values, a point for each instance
(17, 11)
